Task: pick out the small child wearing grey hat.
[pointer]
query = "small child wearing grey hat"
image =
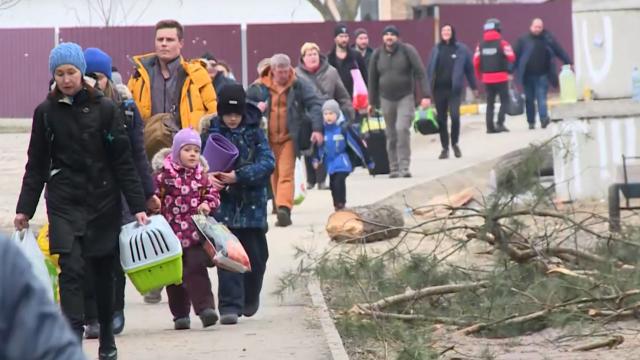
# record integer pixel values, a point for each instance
(340, 146)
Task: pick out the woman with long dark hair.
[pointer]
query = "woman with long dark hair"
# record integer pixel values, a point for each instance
(450, 63)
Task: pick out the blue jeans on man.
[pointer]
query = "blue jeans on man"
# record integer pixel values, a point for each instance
(535, 91)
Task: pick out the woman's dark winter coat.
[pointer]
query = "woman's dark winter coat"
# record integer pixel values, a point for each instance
(80, 149)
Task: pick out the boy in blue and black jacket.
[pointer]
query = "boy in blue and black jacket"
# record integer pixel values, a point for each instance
(341, 151)
(243, 207)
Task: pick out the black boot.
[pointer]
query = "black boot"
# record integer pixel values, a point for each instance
(444, 154)
(284, 216)
(107, 349)
(118, 322)
(92, 330)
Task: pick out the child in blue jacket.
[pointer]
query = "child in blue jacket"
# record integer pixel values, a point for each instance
(243, 207)
(341, 151)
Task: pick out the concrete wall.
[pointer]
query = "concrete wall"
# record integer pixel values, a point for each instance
(590, 141)
(605, 47)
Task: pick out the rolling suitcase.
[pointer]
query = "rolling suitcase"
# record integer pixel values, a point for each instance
(372, 131)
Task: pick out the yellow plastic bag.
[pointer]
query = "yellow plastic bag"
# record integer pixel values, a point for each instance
(50, 260)
(43, 243)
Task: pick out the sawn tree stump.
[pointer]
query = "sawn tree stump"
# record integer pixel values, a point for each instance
(365, 223)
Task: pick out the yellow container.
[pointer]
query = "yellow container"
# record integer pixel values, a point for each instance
(158, 275)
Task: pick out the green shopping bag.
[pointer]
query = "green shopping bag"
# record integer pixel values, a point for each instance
(424, 121)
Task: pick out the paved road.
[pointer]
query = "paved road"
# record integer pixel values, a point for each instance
(284, 328)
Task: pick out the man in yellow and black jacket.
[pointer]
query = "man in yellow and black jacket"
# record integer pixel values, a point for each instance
(165, 83)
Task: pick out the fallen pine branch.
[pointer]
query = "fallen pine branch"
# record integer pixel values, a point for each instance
(412, 295)
(510, 320)
(414, 317)
(610, 343)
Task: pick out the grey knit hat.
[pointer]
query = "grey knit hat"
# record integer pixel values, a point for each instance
(331, 105)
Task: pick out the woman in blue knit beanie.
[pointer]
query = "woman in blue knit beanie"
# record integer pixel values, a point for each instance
(80, 149)
(99, 67)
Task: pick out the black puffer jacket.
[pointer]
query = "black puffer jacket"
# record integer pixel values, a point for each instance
(79, 147)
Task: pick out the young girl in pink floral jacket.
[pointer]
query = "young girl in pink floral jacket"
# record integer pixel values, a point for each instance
(185, 190)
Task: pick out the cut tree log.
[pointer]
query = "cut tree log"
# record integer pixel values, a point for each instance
(365, 223)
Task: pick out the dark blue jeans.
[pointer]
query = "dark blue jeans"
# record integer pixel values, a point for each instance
(234, 289)
(535, 90)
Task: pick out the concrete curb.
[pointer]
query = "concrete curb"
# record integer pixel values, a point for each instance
(481, 108)
(334, 341)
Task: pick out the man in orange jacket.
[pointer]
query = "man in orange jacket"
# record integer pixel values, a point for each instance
(492, 60)
(165, 83)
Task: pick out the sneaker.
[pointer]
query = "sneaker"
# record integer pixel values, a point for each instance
(183, 323)
(456, 151)
(251, 309)
(394, 175)
(92, 330)
(532, 126)
(323, 186)
(544, 123)
(209, 317)
(405, 174)
(310, 186)
(153, 296)
(284, 216)
(229, 319)
(444, 154)
(118, 322)
(492, 131)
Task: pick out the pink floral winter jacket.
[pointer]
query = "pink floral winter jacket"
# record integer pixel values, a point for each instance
(181, 192)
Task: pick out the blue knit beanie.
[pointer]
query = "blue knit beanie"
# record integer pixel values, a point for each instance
(184, 137)
(98, 61)
(67, 54)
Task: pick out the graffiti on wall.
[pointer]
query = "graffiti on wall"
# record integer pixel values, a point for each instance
(591, 35)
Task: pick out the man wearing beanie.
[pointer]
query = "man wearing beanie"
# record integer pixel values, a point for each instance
(165, 83)
(243, 207)
(394, 71)
(293, 108)
(361, 46)
(344, 58)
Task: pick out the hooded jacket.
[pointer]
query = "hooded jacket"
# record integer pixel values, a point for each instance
(462, 66)
(244, 204)
(328, 82)
(181, 192)
(494, 77)
(303, 103)
(342, 149)
(197, 95)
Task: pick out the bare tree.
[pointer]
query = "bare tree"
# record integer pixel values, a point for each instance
(337, 10)
(7, 4)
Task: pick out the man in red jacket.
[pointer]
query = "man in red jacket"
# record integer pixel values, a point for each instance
(492, 60)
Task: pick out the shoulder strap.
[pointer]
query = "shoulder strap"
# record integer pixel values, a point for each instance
(128, 110)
